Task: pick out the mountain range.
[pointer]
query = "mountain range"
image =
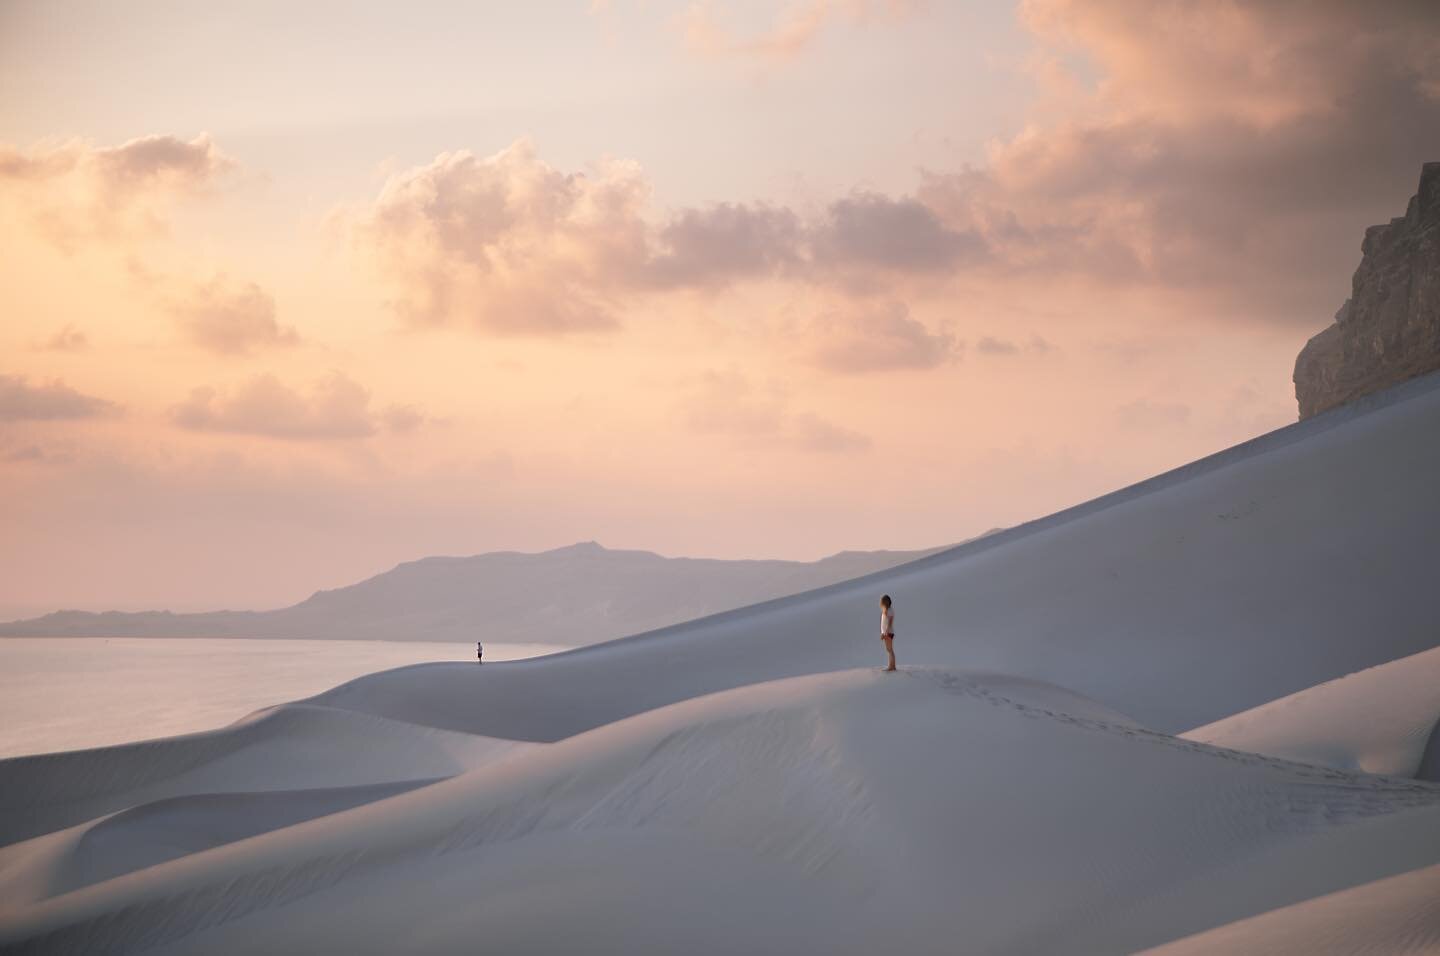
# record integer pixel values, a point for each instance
(575, 595)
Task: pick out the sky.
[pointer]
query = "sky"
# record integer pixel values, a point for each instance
(290, 293)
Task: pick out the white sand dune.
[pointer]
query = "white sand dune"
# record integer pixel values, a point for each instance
(280, 748)
(153, 833)
(852, 810)
(1398, 916)
(1294, 559)
(735, 784)
(1380, 720)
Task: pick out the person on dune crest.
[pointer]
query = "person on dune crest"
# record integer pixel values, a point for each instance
(887, 628)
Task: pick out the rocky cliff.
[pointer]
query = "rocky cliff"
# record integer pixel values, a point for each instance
(1389, 328)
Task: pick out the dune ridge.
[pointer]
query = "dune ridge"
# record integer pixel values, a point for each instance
(795, 779)
(1381, 720)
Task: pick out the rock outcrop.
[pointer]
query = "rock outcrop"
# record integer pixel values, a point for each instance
(1389, 329)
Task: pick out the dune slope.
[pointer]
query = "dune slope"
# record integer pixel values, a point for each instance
(843, 812)
(281, 748)
(1379, 720)
(736, 784)
(153, 833)
(1198, 594)
(1398, 916)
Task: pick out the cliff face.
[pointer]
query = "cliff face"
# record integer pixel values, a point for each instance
(1389, 328)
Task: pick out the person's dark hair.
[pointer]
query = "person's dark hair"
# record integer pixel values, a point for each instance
(885, 599)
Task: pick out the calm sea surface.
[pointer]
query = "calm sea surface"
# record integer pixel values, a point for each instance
(70, 693)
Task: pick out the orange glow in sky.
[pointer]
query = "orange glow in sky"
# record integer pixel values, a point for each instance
(294, 292)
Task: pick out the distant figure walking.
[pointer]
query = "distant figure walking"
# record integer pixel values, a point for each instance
(480, 652)
(887, 628)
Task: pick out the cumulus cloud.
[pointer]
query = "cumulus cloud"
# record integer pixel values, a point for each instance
(230, 318)
(75, 191)
(793, 29)
(871, 229)
(726, 403)
(335, 408)
(1230, 153)
(725, 242)
(55, 401)
(878, 337)
(166, 160)
(1263, 63)
(508, 243)
(1234, 149)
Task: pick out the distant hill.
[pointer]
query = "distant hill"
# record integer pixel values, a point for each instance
(575, 595)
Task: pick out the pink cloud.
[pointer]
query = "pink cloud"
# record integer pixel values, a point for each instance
(75, 192)
(1233, 151)
(877, 337)
(55, 401)
(334, 408)
(867, 229)
(507, 243)
(230, 318)
(725, 242)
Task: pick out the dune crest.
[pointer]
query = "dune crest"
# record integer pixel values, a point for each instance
(876, 794)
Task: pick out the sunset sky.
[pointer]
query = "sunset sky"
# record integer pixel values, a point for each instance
(295, 291)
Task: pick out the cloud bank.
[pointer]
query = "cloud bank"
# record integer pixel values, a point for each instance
(1235, 150)
(509, 245)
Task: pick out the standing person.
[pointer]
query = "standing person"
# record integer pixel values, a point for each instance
(887, 628)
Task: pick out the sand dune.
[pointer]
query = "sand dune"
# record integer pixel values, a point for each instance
(280, 748)
(1295, 559)
(854, 809)
(163, 830)
(1380, 720)
(929, 803)
(1398, 916)
(751, 783)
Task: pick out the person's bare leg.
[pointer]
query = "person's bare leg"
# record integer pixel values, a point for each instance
(890, 650)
